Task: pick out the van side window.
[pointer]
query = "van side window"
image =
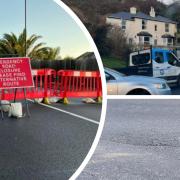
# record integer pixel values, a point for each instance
(172, 60)
(159, 58)
(141, 59)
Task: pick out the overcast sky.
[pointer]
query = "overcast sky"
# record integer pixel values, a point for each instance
(46, 18)
(167, 1)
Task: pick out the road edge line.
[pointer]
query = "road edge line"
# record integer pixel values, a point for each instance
(69, 113)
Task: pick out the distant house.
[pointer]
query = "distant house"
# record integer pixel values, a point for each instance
(87, 62)
(143, 29)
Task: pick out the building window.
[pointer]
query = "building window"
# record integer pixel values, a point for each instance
(147, 40)
(144, 24)
(170, 41)
(166, 27)
(123, 25)
(155, 27)
(130, 41)
(144, 40)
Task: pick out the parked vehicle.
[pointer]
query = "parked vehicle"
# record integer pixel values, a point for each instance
(120, 84)
(155, 62)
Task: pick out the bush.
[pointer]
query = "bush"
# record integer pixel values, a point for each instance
(118, 43)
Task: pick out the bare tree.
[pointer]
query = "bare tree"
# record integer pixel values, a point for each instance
(118, 43)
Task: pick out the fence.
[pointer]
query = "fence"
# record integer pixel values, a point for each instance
(62, 84)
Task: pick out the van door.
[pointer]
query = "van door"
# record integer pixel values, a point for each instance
(159, 64)
(141, 61)
(173, 66)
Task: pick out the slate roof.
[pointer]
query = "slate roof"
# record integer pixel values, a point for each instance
(144, 33)
(140, 15)
(167, 36)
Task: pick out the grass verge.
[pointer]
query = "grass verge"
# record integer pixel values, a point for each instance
(112, 62)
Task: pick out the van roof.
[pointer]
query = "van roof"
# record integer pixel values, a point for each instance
(154, 49)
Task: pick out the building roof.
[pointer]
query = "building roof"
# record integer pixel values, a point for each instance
(140, 15)
(167, 36)
(144, 33)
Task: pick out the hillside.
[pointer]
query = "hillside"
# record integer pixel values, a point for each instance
(114, 49)
(92, 12)
(173, 12)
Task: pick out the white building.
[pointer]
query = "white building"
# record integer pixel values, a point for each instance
(143, 29)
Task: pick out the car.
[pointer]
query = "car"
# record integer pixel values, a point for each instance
(120, 84)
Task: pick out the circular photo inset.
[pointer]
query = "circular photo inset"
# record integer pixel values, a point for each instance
(51, 92)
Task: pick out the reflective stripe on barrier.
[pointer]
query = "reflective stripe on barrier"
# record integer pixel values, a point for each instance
(43, 86)
(63, 84)
(78, 84)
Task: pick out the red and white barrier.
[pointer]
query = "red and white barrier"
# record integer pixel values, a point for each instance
(63, 84)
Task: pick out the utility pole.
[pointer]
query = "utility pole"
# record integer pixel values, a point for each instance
(25, 27)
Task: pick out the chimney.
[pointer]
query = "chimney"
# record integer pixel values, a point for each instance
(133, 10)
(152, 12)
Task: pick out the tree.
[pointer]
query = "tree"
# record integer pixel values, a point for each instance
(118, 43)
(11, 45)
(101, 41)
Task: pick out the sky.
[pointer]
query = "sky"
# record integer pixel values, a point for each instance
(45, 18)
(167, 1)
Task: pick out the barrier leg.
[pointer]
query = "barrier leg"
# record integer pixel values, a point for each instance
(2, 114)
(46, 101)
(99, 99)
(64, 101)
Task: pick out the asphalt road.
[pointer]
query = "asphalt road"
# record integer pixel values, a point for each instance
(140, 141)
(50, 145)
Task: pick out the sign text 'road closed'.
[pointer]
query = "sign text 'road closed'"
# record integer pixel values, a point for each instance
(15, 73)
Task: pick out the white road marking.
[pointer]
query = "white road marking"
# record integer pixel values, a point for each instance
(69, 113)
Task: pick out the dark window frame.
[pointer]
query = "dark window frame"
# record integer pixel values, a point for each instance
(111, 77)
(160, 61)
(123, 24)
(167, 27)
(144, 24)
(155, 27)
(141, 60)
(173, 62)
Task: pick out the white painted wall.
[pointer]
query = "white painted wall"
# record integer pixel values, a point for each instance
(134, 27)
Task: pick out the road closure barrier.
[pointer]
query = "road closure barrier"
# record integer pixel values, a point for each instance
(63, 84)
(75, 84)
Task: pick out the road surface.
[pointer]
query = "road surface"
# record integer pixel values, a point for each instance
(49, 145)
(140, 141)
